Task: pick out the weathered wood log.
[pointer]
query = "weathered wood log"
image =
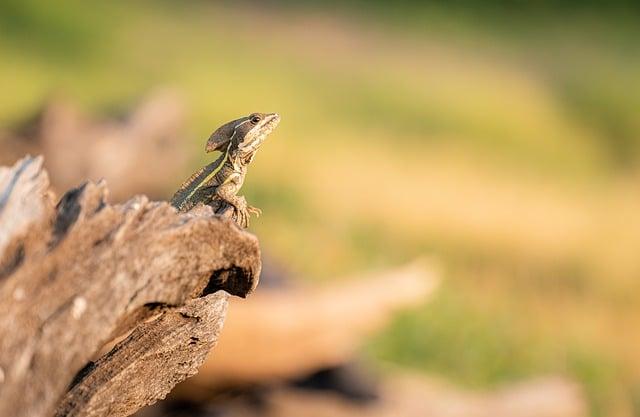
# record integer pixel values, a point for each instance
(179, 336)
(75, 274)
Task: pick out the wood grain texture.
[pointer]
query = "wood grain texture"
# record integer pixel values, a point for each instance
(180, 337)
(76, 274)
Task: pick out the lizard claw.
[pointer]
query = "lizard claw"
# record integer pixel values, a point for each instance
(242, 211)
(242, 217)
(254, 210)
(242, 214)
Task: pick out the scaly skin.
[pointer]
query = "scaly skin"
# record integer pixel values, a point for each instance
(218, 183)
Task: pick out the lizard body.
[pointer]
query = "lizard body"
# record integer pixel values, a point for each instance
(218, 183)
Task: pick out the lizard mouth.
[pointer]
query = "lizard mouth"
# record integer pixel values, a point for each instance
(269, 123)
(272, 121)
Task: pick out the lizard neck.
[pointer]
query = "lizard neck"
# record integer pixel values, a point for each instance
(240, 159)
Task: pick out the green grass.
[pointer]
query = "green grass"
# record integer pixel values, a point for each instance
(474, 347)
(478, 348)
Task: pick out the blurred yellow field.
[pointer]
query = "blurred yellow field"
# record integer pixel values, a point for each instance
(508, 153)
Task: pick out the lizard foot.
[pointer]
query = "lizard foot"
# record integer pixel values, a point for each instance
(242, 212)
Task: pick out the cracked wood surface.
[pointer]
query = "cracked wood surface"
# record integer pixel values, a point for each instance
(76, 274)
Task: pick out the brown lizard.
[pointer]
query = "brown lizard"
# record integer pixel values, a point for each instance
(218, 183)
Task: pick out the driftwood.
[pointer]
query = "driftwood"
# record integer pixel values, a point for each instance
(77, 275)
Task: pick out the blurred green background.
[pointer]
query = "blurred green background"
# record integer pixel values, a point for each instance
(502, 139)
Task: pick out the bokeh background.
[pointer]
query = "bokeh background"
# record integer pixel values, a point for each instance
(501, 140)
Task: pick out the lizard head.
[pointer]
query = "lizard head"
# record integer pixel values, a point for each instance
(247, 132)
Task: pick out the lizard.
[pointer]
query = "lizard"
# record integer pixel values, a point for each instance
(218, 183)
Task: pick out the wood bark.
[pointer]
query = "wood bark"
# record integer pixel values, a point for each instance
(77, 274)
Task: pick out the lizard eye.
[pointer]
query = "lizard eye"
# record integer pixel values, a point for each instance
(255, 118)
